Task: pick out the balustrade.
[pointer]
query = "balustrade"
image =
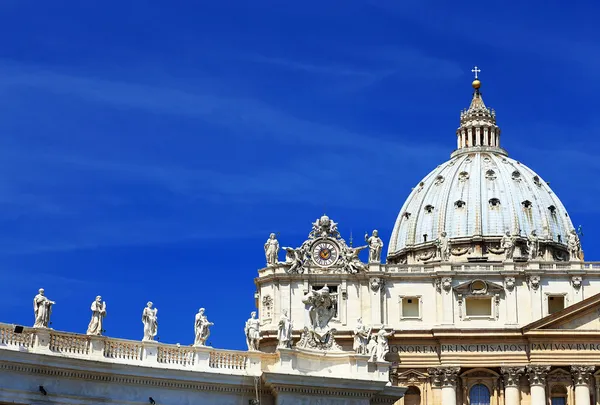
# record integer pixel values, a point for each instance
(9, 337)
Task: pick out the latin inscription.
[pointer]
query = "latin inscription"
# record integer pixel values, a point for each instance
(492, 348)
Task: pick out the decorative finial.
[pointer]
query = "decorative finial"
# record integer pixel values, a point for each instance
(476, 83)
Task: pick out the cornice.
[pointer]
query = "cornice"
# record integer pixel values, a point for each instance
(114, 378)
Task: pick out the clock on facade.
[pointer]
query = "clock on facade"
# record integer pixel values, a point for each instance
(325, 253)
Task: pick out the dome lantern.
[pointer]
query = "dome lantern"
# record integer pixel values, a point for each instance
(478, 129)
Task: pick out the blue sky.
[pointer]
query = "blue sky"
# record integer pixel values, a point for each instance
(147, 149)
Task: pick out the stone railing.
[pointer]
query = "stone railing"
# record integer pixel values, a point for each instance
(110, 350)
(428, 268)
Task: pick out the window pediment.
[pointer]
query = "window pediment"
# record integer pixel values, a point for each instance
(478, 288)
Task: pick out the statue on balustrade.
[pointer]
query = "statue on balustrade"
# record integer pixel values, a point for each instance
(284, 331)
(98, 314)
(201, 328)
(533, 245)
(252, 331)
(508, 244)
(271, 250)
(375, 247)
(150, 321)
(361, 337)
(42, 308)
(443, 247)
(574, 245)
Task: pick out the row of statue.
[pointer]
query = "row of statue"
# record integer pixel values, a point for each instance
(42, 307)
(509, 242)
(320, 309)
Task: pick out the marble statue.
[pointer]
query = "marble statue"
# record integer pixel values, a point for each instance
(361, 337)
(533, 245)
(42, 308)
(372, 348)
(375, 247)
(293, 257)
(320, 308)
(252, 331)
(353, 264)
(284, 331)
(98, 314)
(443, 247)
(508, 244)
(271, 250)
(383, 347)
(574, 245)
(201, 328)
(150, 321)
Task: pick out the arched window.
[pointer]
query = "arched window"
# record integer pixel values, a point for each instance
(558, 395)
(412, 396)
(479, 395)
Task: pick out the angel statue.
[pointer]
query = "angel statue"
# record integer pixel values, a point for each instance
(353, 263)
(271, 250)
(293, 257)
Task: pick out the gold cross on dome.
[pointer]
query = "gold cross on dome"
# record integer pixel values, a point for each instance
(476, 70)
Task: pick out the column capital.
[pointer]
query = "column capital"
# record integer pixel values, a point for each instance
(582, 375)
(434, 375)
(512, 375)
(444, 376)
(537, 374)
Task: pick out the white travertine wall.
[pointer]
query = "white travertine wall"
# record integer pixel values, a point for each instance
(517, 305)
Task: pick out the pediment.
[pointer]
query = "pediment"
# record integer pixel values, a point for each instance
(478, 287)
(411, 376)
(584, 316)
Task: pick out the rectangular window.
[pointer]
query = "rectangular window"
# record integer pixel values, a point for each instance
(555, 303)
(478, 307)
(410, 307)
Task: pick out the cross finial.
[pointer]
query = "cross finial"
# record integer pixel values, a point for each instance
(476, 70)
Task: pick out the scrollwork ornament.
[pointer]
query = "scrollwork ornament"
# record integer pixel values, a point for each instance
(537, 374)
(582, 375)
(509, 282)
(376, 284)
(534, 282)
(576, 282)
(512, 375)
(446, 283)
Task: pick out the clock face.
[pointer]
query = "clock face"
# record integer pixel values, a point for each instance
(324, 253)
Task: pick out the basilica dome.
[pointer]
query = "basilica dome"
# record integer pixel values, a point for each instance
(476, 198)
